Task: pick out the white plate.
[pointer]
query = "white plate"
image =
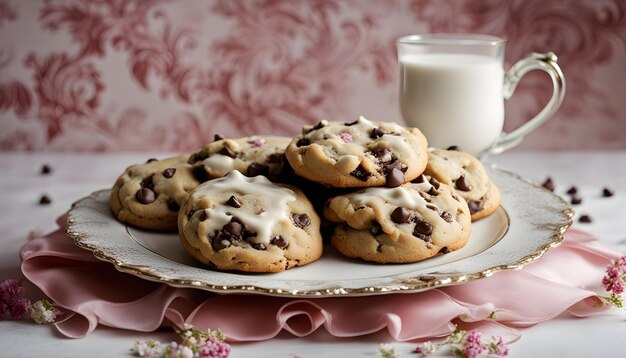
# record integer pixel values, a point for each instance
(530, 221)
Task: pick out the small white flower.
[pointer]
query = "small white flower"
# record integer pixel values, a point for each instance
(427, 348)
(43, 312)
(386, 350)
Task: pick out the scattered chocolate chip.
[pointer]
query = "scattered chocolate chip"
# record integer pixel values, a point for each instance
(233, 228)
(227, 152)
(279, 241)
(423, 227)
(376, 229)
(145, 196)
(576, 200)
(200, 174)
(352, 123)
(169, 172)
(172, 205)
(395, 178)
(46, 169)
(434, 182)
(276, 158)
(360, 173)
(147, 183)
(425, 195)
(420, 179)
(221, 242)
(256, 168)
(548, 184)
(303, 142)
(45, 200)
(301, 220)
(606, 192)
(453, 147)
(203, 216)
(218, 137)
(151, 160)
(446, 216)
(573, 190)
(395, 164)
(475, 206)
(377, 133)
(462, 184)
(585, 219)
(431, 207)
(400, 215)
(433, 191)
(444, 250)
(232, 201)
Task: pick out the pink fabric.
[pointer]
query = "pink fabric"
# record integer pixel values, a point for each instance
(166, 75)
(92, 292)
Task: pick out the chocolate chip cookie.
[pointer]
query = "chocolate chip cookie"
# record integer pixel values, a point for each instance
(467, 175)
(408, 223)
(358, 154)
(149, 195)
(249, 224)
(252, 156)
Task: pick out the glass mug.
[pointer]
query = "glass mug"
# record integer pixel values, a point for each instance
(453, 87)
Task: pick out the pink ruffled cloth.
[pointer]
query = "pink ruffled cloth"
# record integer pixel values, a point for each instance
(93, 292)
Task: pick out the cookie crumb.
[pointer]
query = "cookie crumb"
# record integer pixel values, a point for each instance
(585, 219)
(606, 192)
(548, 184)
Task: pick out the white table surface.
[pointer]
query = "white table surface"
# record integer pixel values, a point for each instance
(76, 175)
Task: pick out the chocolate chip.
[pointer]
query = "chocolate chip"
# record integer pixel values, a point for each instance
(302, 142)
(218, 137)
(453, 147)
(377, 133)
(44, 200)
(221, 242)
(145, 196)
(446, 216)
(232, 201)
(423, 227)
(151, 160)
(444, 250)
(420, 179)
(395, 164)
(376, 229)
(548, 184)
(200, 174)
(301, 220)
(395, 178)
(169, 172)
(360, 173)
(227, 152)
(433, 191)
(352, 123)
(475, 206)
(434, 182)
(279, 241)
(203, 216)
(172, 205)
(233, 228)
(431, 207)
(256, 168)
(46, 169)
(147, 183)
(606, 192)
(327, 136)
(462, 184)
(585, 219)
(380, 153)
(259, 246)
(400, 215)
(576, 200)
(573, 190)
(321, 124)
(276, 158)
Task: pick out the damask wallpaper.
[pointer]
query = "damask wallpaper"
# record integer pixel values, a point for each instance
(109, 75)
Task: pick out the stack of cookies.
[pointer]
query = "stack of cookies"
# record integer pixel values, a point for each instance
(248, 204)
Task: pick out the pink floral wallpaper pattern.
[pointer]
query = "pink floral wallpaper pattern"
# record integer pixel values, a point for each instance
(103, 75)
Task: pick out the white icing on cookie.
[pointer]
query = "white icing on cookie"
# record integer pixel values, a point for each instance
(275, 199)
(399, 196)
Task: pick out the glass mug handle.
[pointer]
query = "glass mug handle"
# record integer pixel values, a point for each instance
(534, 61)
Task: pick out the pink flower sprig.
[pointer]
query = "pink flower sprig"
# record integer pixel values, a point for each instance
(466, 344)
(257, 143)
(12, 304)
(195, 343)
(614, 280)
(346, 137)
